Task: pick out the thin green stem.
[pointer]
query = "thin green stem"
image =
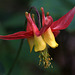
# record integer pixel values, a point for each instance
(18, 53)
(19, 50)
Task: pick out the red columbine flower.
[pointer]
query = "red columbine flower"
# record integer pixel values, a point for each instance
(37, 38)
(49, 27)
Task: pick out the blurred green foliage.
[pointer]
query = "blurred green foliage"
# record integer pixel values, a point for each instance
(12, 19)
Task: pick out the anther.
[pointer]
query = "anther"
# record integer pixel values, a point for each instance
(33, 18)
(26, 13)
(47, 13)
(41, 8)
(51, 58)
(32, 15)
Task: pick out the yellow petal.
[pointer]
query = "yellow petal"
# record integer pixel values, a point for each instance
(39, 43)
(31, 43)
(50, 39)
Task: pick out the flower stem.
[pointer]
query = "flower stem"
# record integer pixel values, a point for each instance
(38, 16)
(18, 53)
(19, 50)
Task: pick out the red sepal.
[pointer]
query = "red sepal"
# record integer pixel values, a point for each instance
(64, 21)
(17, 35)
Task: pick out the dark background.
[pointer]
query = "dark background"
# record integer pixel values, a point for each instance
(12, 19)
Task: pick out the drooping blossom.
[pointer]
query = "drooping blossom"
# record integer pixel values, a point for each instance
(46, 35)
(39, 38)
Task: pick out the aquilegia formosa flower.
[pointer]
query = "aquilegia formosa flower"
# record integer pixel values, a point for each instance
(46, 35)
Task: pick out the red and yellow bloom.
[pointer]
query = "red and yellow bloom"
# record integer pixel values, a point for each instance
(46, 35)
(39, 38)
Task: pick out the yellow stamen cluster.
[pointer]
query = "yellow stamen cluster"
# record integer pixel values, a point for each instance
(45, 58)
